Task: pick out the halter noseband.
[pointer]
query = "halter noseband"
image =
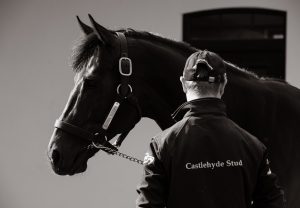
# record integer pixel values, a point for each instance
(124, 93)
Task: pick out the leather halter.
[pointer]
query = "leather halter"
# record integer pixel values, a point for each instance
(124, 93)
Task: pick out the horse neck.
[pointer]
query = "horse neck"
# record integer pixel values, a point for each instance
(157, 68)
(250, 101)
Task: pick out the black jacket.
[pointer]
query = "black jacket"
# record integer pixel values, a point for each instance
(205, 160)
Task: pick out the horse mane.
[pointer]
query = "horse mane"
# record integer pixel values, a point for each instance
(249, 74)
(158, 38)
(86, 46)
(241, 71)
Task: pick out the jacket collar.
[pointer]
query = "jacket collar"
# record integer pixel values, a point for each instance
(199, 107)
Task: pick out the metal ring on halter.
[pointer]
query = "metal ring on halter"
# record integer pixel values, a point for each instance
(118, 88)
(98, 146)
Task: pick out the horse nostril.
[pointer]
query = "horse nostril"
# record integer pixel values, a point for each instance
(55, 157)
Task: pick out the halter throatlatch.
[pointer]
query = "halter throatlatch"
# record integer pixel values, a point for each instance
(124, 93)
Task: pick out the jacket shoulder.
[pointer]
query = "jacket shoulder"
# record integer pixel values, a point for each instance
(250, 139)
(169, 135)
(171, 131)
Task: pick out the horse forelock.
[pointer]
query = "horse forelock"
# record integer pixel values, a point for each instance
(83, 51)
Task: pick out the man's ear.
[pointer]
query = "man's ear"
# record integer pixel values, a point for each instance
(182, 80)
(223, 85)
(225, 79)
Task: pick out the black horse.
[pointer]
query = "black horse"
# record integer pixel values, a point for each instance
(268, 108)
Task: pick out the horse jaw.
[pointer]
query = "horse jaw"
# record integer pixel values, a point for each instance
(59, 153)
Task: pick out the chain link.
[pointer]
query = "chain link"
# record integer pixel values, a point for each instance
(120, 154)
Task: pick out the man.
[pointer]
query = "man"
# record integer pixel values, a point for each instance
(205, 159)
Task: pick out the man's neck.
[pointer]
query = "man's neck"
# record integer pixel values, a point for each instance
(193, 96)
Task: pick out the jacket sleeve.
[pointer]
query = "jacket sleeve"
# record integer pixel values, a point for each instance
(152, 191)
(267, 194)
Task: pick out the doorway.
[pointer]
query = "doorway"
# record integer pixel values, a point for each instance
(252, 38)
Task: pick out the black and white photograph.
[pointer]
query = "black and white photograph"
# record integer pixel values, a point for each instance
(150, 104)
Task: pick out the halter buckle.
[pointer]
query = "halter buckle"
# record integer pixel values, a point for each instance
(125, 60)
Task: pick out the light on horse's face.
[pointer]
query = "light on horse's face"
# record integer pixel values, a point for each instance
(68, 154)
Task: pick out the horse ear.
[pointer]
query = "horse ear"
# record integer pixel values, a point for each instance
(85, 28)
(104, 35)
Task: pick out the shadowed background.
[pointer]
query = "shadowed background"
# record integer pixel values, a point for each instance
(36, 38)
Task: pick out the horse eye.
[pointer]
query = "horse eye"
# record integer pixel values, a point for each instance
(90, 83)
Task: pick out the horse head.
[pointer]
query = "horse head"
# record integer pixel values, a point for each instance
(100, 106)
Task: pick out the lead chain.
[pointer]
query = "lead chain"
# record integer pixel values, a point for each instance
(120, 154)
